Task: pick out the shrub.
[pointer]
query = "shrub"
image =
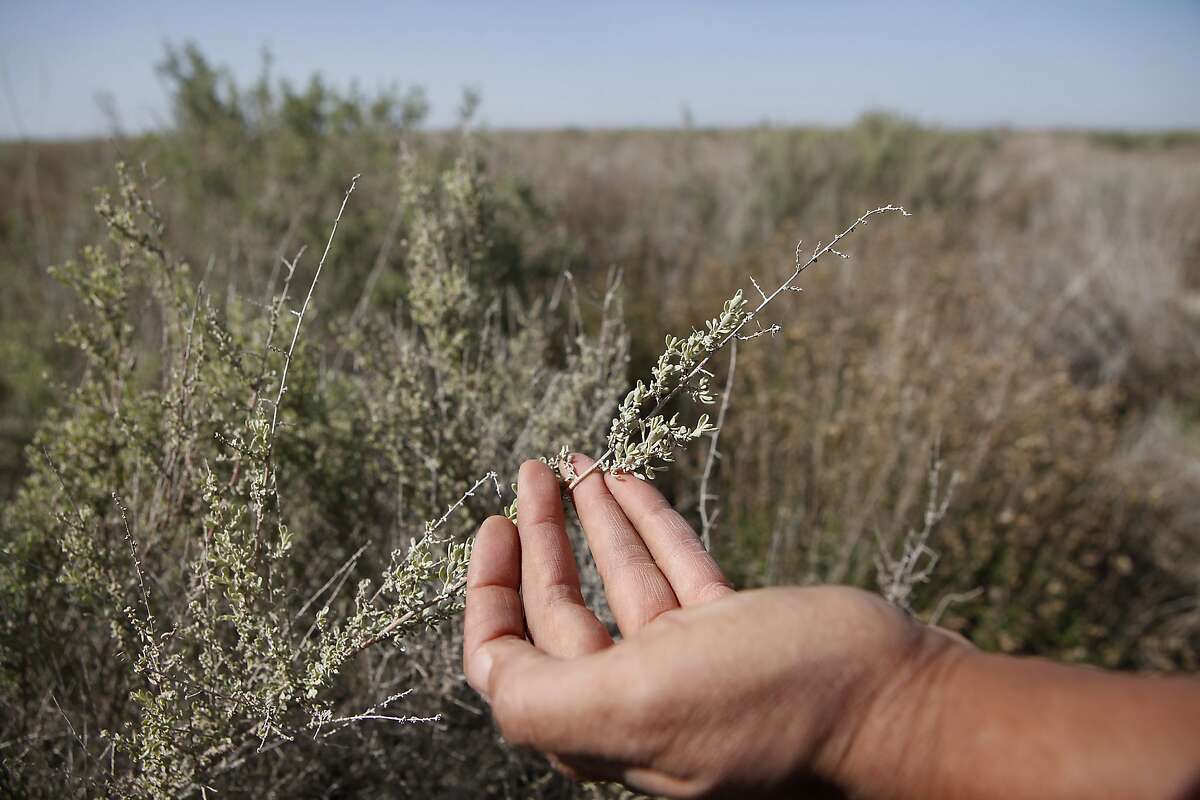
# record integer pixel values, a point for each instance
(186, 567)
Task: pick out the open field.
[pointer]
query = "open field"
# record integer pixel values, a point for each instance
(1037, 321)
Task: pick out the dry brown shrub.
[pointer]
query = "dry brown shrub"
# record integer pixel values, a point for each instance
(1082, 550)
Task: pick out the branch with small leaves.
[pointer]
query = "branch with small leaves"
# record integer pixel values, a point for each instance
(642, 442)
(451, 588)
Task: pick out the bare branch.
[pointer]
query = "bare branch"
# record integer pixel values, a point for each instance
(287, 360)
(898, 577)
(137, 562)
(706, 519)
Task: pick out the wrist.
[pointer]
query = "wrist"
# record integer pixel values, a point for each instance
(892, 730)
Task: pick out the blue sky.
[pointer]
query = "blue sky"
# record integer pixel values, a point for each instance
(1024, 64)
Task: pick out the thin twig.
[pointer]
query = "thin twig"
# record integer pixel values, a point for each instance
(344, 568)
(706, 519)
(54, 468)
(950, 599)
(137, 562)
(71, 727)
(372, 713)
(899, 576)
(287, 359)
(339, 576)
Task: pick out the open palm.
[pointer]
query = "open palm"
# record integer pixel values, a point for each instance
(680, 703)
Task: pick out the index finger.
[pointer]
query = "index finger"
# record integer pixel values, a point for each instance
(560, 622)
(493, 609)
(538, 700)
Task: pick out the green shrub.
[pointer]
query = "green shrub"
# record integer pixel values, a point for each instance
(187, 571)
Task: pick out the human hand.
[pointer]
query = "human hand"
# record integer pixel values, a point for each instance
(708, 691)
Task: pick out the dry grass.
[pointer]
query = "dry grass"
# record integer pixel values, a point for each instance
(1046, 340)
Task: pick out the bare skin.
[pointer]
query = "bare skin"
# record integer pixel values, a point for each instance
(781, 692)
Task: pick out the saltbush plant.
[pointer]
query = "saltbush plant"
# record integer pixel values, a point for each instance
(217, 534)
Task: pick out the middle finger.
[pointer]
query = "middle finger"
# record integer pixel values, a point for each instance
(636, 588)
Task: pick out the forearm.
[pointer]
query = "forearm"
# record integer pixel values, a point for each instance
(961, 723)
